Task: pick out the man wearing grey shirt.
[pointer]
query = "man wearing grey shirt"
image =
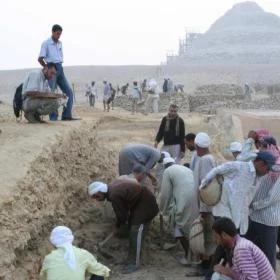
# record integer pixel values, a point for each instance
(139, 154)
(37, 82)
(51, 51)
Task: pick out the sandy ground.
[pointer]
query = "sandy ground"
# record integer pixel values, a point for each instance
(44, 173)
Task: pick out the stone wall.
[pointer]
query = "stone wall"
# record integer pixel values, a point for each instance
(206, 103)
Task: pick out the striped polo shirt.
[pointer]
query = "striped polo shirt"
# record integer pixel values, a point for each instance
(265, 207)
(249, 262)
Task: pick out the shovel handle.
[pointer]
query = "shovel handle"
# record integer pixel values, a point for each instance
(102, 243)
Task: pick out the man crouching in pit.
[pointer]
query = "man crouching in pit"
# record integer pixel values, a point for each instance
(134, 207)
(36, 93)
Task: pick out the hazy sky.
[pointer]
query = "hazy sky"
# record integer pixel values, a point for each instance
(105, 32)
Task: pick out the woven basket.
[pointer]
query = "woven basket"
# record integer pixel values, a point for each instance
(196, 237)
(211, 194)
(49, 95)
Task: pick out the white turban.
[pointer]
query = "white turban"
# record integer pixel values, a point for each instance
(168, 160)
(96, 187)
(166, 154)
(202, 140)
(235, 147)
(62, 237)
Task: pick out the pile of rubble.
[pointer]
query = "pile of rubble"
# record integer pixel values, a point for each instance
(180, 99)
(226, 89)
(206, 103)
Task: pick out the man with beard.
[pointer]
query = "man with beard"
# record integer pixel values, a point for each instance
(172, 132)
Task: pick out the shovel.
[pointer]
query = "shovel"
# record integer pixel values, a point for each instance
(103, 242)
(99, 246)
(139, 245)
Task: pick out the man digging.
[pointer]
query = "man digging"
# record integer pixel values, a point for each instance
(135, 207)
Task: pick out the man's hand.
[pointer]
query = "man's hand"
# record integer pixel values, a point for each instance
(224, 270)
(203, 184)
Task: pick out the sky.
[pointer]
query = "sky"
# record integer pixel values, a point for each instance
(105, 32)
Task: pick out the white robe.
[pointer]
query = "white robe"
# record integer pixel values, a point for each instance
(179, 197)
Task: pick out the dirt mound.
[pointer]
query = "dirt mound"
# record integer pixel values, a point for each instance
(52, 191)
(58, 160)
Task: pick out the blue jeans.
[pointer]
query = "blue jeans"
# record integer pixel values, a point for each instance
(61, 81)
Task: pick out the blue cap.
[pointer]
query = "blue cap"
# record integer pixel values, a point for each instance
(267, 157)
(269, 140)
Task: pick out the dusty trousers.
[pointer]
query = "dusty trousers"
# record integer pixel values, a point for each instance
(33, 108)
(151, 104)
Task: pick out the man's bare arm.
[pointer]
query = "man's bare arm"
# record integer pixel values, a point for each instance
(42, 61)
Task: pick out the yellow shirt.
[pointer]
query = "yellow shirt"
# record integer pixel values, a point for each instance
(55, 267)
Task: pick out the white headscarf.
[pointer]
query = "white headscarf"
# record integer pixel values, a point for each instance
(96, 187)
(235, 147)
(166, 154)
(62, 237)
(168, 160)
(202, 140)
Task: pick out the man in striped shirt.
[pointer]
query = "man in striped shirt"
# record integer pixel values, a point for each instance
(240, 183)
(265, 210)
(248, 261)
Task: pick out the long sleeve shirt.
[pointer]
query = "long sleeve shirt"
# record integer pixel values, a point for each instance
(239, 187)
(169, 137)
(133, 154)
(249, 262)
(54, 266)
(132, 203)
(265, 207)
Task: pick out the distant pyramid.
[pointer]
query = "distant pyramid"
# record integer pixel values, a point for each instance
(245, 34)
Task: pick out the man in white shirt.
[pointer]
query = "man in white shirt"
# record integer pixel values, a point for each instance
(91, 92)
(241, 181)
(153, 97)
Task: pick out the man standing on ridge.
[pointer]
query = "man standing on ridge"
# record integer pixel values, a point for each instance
(51, 51)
